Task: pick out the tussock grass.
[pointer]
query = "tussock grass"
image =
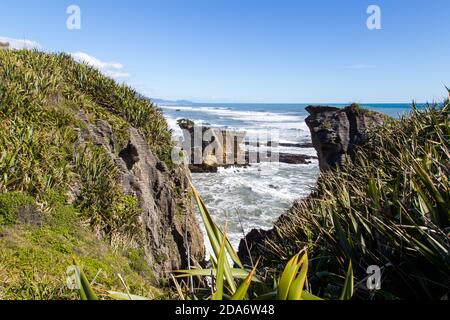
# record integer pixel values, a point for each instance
(36, 252)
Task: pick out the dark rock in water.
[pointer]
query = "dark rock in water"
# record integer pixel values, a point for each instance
(203, 168)
(295, 158)
(291, 145)
(336, 132)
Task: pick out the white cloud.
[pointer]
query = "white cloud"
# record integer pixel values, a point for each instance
(111, 69)
(20, 43)
(116, 74)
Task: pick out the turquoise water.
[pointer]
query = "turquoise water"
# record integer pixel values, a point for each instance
(255, 197)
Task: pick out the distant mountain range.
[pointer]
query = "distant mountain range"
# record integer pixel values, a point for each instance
(171, 102)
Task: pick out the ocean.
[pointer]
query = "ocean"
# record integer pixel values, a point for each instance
(254, 197)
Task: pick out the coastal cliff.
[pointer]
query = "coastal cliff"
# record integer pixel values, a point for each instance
(167, 215)
(86, 172)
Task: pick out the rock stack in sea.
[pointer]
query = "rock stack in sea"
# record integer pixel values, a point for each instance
(211, 148)
(336, 132)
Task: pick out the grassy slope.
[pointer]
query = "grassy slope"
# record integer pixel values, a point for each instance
(41, 160)
(391, 209)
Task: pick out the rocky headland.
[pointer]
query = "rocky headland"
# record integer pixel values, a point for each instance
(335, 133)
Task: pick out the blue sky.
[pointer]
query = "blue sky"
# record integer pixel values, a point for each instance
(252, 50)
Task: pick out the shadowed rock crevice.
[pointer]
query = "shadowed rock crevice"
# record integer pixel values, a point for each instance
(129, 155)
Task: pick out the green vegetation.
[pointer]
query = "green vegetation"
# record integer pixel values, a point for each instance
(60, 198)
(36, 253)
(360, 110)
(13, 206)
(231, 283)
(391, 208)
(59, 190)
(240, 283)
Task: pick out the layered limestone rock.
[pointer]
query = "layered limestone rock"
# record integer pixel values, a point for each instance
(336, 132)
(211, 148)
(172, 236)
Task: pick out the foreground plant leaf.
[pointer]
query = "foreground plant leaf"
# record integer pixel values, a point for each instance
(236, 273)
(287, 277)
(241, 292)
(86, 291)
(221, 261)
(214, 233)
(215, 237)
(125, 296)
(347, 291)
(296, 289)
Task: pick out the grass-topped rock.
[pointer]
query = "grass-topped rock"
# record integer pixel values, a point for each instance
(67, 130)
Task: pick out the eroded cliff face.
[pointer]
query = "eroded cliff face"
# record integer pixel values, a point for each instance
(336, 132)
(171, 234)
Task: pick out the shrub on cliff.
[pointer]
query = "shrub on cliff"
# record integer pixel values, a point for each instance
(390, 208)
